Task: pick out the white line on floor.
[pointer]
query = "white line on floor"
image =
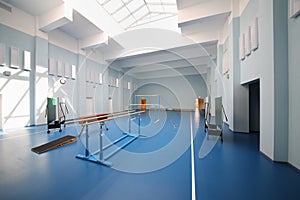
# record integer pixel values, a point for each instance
(25, 134)
(192, 160)
(21, 135)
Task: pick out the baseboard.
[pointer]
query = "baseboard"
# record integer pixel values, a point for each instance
(294, 167)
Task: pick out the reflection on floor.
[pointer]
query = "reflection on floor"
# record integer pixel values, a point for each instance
(234, 169)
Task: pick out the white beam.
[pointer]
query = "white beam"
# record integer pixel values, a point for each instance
(204, 36)
(174, 61)
(56, 17)
(169, 73)
(156, 67)
(204, 9)
(94, 41)
(96, 14)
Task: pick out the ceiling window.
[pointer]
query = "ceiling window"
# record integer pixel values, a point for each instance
(133, 13)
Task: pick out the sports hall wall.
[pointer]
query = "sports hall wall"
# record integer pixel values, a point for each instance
(294, 94)
(24, 93)
(235, 95)
(175, 92)
(275, 64)
(260, 65)
(15, 89)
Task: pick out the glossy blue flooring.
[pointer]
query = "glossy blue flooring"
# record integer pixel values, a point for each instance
(156, 166)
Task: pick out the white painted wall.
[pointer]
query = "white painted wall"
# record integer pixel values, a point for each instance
(265, 64)
(260, 64)
(251, 66)
(240, 92)
(29, 105)
(227, 92)
(175, 92)
(1, 112)
(294, 95)
(12, 19)
(63, 40)
(68, 90)
(235, 95)
(242, 5)
(16, 105)
(41, 80)
(38, 81)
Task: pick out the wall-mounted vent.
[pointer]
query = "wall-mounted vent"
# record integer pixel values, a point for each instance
(5, 7)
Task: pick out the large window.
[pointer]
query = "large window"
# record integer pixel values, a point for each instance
(132, 13)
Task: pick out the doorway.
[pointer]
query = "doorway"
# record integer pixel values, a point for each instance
(254, 107)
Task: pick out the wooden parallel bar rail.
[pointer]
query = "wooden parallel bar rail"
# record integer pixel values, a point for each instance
(139, 104)
(94, 117)
(103, 159)
(146, 95)
(112, 118)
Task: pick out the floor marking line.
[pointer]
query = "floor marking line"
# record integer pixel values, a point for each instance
(25, 134)
(21, 135)
(192, 160)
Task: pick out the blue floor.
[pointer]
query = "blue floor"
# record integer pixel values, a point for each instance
(234, 169)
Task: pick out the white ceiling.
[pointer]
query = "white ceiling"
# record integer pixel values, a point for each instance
(35, 7)
(213, 22)
(187, 3)
(187, 60)
(148, 65)
(80, 27)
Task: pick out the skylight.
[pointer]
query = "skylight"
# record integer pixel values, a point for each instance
(133, 13)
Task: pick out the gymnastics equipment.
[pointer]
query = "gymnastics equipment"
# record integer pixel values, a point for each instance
(68, 139)
(226, 118)
(216, 129)
(142, 101)
(104, 118)
(207, 113)
(91, 118)
(95, 117)
(54, 121)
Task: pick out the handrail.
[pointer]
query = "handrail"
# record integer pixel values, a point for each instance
(96, 117)
(112, 118)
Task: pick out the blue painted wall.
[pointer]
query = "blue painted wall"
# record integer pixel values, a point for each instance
(168, 99)
(37, 85)
(16, 106)
(280, 16)
(175, 92)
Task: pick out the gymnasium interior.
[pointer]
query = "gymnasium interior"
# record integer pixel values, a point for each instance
(149, 99)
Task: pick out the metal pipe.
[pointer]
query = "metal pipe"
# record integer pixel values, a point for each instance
(87, 141)
(101, 142)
